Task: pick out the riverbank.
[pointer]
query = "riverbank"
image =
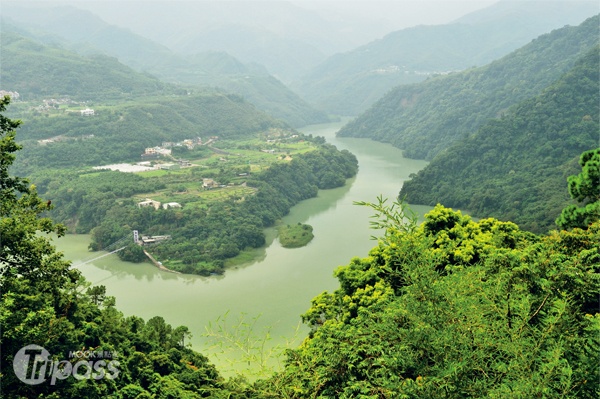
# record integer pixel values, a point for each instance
(279, 284)
(159, 264)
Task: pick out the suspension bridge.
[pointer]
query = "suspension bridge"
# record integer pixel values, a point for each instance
(122, 243)
(113, 248)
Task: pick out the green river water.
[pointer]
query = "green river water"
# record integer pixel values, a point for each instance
(279, 285)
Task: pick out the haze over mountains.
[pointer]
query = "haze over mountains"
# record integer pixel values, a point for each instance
(287, 37)
(177, 121)
(348, 83)
(83, 32)
(252, 49)
(425, 118)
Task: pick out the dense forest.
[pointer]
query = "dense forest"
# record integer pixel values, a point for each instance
(514, 168)
(455, 308)
(424, 119)
(449, 308)
(203, 235)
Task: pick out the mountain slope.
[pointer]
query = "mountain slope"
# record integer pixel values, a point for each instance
(36, 70)
(425, 118)
(253, 82)
(87, 34)
(132, 110)
(516, 167)
(349, 83)
(120, 133)
(83, 32)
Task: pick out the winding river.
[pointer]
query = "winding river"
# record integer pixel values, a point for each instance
(275, 289)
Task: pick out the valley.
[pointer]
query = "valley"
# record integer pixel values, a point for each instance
(274, 284)
(290, 199)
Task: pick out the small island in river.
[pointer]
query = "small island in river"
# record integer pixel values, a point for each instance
(295, 236)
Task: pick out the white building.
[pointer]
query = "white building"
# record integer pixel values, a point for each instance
(149, 202)
(157, 150)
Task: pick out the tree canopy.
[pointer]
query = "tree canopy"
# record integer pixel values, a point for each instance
(455, 308)
(585, 189)
(45, 302)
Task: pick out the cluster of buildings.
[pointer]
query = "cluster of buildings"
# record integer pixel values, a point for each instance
(165, 148)
(157, 204)
(14, 95)
(155, 152)
(53, 104)
(189, 143)
(57, 139)
(87, 112)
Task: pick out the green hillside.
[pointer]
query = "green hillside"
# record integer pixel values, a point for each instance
(121, 132)
(253, 82)
(42, 71)
(83, 32)
(425, 118)
(515, 168)
(348, 83)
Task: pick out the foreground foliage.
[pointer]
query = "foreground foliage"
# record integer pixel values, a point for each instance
(455, 308)
(585, 189)
(449, 309)
(44, 301)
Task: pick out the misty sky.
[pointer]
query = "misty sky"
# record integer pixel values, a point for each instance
(400, 13)
(393, 14)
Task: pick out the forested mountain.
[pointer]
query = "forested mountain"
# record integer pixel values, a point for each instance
(252, 82)
(515, 168)
(121, 132)
(425, 118)
(348, 83)
(83, 32)
(40, 71)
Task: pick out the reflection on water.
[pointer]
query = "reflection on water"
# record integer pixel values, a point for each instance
(280, 283)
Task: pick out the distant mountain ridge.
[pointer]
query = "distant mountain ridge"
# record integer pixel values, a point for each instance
(83, 32)
(285, 37)
(349, 83)
(425, 118)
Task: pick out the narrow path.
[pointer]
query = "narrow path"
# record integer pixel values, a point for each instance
(158, 264)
